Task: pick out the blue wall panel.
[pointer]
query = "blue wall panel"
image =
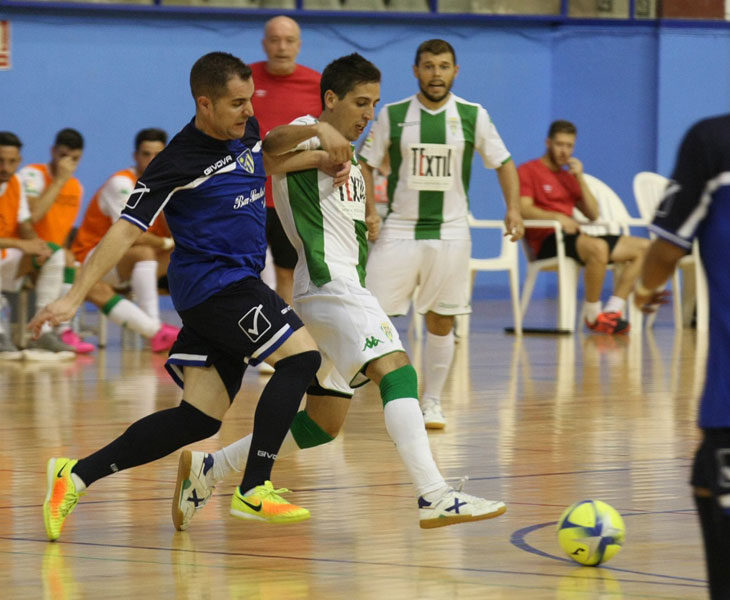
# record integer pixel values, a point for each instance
(632, 90)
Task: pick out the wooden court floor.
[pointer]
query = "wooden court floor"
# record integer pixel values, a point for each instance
(539, 422)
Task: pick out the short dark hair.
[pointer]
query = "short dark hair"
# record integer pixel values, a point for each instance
(70, 138)
(210, 74)
(561, 126)
(8, 138)
(435, 46)
(343, 74)
(151, 134)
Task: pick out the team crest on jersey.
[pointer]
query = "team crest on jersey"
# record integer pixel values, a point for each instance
(387, 330)
(453, 124)
(245, 159)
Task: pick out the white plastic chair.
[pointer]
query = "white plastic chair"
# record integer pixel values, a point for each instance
(507, 260)
(613, 219)
(649, 190)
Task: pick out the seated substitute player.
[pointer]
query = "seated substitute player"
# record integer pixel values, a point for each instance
(139, 266)
(23, 252)
(209, 180)
(327, 227)
(550, 188)
(696, 205)
(54, 197)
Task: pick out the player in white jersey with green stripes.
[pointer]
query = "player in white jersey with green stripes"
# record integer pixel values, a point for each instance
(429, 141)
(326, 225)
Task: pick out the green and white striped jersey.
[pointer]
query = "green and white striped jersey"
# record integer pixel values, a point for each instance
(430, 159)
(326, 225)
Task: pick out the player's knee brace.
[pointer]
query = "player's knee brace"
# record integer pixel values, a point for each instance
(194, 425)
(400, 383)
(307, 433)
(299, 367)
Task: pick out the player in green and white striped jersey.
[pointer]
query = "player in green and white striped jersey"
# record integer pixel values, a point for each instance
(429, 141)
(326, 225)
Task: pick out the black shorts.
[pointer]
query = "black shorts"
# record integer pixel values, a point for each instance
(548, 249)
(285, 256)
(711, 468)
(238, 326)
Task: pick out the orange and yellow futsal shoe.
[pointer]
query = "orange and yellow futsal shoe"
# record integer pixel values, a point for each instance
(61, 497)
(264, 503)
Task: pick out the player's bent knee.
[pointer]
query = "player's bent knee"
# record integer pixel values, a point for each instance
(195, 424)
(307, 363)
(380, 367)
(307, 433)
(401, 383)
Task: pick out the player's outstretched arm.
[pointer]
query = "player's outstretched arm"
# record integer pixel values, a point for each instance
(108, 253)
(307, 159)
(287, 137)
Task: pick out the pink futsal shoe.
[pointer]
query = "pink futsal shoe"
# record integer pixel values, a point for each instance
(163, 340)
(71, 338)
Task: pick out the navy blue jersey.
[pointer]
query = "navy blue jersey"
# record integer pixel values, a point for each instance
(697, 204)
(212, 194)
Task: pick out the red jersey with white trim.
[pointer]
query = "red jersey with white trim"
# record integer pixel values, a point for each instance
(557, 191)
(279, 99)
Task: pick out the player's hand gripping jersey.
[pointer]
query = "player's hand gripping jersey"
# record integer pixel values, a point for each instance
(212, 194)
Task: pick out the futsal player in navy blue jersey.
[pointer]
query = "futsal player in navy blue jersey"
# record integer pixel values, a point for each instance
(696, 204)
(209, 181)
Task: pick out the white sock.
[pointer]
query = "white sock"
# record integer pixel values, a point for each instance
(437, 356)
(404, 423)
(591, 310)
(50, 279)
(61, 327)
(128, 314)
(144, 287)
(78, 482)
(232, 458)
(615, 304)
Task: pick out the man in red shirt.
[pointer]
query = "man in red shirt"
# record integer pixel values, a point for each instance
(284, 91)
(550, 188)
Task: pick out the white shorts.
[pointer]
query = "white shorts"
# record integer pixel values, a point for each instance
(439, 268)
(9, 265)
(350, 328)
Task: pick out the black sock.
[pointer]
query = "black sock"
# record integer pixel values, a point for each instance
(148, 439)
(716, 534)
(275, 412)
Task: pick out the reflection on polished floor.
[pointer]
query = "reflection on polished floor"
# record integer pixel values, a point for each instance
(539, 422)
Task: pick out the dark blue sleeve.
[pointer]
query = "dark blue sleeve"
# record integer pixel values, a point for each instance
(686, 200)
(153, 190)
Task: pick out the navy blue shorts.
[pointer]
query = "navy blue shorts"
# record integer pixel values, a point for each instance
(239, 326)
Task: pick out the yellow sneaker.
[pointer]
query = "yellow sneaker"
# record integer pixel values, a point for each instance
(265, 504)
(61, 497)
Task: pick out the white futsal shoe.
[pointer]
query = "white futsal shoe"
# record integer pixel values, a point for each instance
(193, 487)
(455, 506)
